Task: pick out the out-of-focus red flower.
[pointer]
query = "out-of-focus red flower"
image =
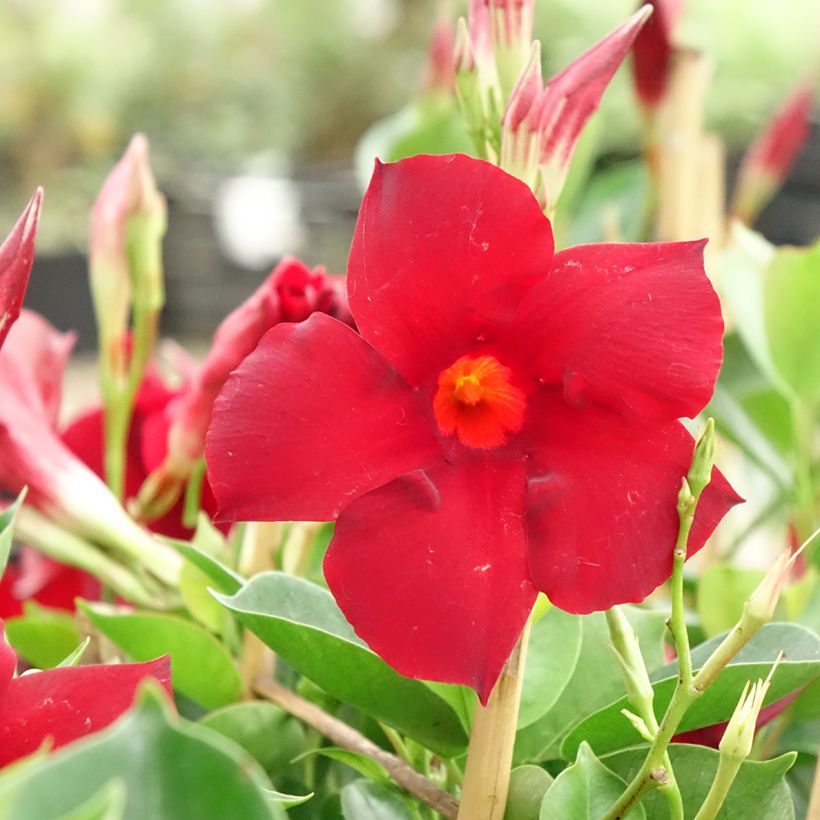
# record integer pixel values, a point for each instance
(62, 705)
(32, 454)
(174, 439)
(36, 577)
(146, 447)
(771, 156)
(505, 423)
(16, 258)
(439, 73)
(653, 52)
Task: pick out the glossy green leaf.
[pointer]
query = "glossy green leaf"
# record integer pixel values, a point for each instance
(301, 622)
(365, 800)
(596, 680)
(7, 530)
(223, 579)
(758, 793)
(584, 791)
(43, 636)
(267, 732)
(365, 766)
(203, 670)
(722, 593)
(170, 769)
(554, 648)
(791, 300)
(800, 779)
(772, 415)
(608, 730)
(528, 784)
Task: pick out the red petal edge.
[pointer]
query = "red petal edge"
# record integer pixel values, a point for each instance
(65, 704)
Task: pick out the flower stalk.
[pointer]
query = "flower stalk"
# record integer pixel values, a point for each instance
(489, 755)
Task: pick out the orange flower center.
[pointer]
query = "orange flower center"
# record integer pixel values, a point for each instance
(477, 401)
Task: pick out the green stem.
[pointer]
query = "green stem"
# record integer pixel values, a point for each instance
(725, 776)
(193, 495)
(806, 514)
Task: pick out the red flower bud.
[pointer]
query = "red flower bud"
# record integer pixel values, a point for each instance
(652, 52)
(771, 156)
(16, 258)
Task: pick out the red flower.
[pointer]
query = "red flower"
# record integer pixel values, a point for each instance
(146, 447)
(505, 423)
(64, 704)
(16, 258)
(653, 51)
(36, 577)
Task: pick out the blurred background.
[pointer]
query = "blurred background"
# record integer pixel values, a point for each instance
(258, 112)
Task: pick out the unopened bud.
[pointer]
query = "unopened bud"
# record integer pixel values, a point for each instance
(771, 156)
(16, 258)
(653, 51)
(519, 129)
(703, 461)
(624, 643)
(737, 740)
(511, 30)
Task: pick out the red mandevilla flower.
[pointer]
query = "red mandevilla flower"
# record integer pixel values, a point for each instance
(505, 423)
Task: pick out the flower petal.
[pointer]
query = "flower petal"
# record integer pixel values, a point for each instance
(445, 247)
(67, 703)
(313, 418)
(431, 570)
(636, 328)
(602, 506)
(34, 360)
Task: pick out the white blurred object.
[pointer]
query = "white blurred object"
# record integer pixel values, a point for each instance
(257, 219)
(373, 18)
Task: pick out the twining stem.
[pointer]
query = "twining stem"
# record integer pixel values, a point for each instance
(348, 738)
(489, 755)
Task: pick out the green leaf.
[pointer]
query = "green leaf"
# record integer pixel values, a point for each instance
(194, 587)
(203, 670)
(791, 299)
(262, 729)
(722, 593)
(363, 799)
(107, 804)
(76, 654)
(758, 793)
(596, 680)
(287, 800)
(734, 422)
(528, 784)
(552, 655)
(742, 278)
(301, 622)
(801, 779)
(43, 636)
(7, 530)
(608, 730)
(224, 579)
(584, 791)
(171, 769)
(365, 766)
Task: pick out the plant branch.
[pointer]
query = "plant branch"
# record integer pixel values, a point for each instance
(348, 738)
